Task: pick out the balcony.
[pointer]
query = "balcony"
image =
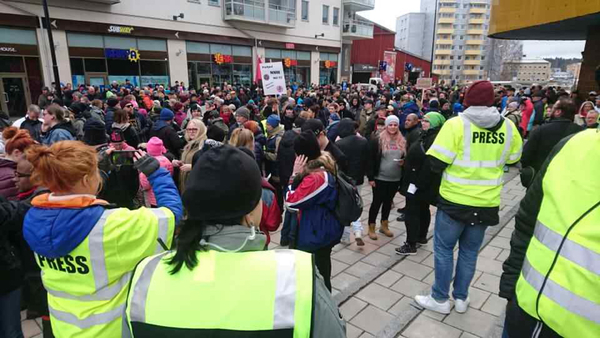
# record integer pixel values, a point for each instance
(447, 1)
(357, 29)
(471, 72)
(255, 11)
(476, 21)
(443, 71)
(472, 62)
(445, 31)
(477, 10)
(359, 5)
(443, 52)
(447, 10)
(446, 20)
(443, 42)
(473, 52)
(442, 62)
(475, 42)
(475, 31)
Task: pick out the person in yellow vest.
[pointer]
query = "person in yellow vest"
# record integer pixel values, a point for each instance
(469, 152)
(552, 274)
(219, 282)
(86, 250)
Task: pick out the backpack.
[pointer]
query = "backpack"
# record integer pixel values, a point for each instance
(349, 205)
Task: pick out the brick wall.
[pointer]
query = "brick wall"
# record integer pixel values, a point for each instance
(591, 60)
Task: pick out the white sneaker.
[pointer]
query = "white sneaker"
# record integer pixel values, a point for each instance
(431, 304)
(345, 239)
(461, 306)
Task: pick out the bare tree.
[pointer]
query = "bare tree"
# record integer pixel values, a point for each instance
(499, 52)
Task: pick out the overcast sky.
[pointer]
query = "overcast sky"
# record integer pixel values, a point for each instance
(386, 12)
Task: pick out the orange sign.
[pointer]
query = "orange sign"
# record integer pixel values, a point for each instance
(330, 64)
(287, 62)
(220, 58)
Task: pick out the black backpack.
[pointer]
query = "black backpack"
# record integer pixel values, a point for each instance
(349, 205)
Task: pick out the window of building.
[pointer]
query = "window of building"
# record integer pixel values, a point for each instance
(458, 67)
(460, 57)
(450, 67)
(460, 47)
(304, 10)
(461, 37)
(451, 57)
(336, 16)
(213, 2)
(325, 14)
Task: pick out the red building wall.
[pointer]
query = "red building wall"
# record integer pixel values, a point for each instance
(370, 52)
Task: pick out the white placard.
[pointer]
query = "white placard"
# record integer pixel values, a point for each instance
(273, 78)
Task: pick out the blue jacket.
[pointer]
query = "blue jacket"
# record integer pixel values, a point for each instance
(407, 109)
(60, 132)
(315, 197)
(54, 232)
(332, 131)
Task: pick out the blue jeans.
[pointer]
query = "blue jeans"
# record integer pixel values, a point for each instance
(10, 315)
(447, 233)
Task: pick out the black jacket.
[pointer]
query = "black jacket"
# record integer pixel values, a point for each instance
(34, 127)
(169, 136)
(413, 135)
(417, 169)
(543, 139)
(538, 107)
(338, 155)
(356, 149)
(522, 325)
(286, 156)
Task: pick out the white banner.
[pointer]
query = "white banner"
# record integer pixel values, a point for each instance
(273, 78)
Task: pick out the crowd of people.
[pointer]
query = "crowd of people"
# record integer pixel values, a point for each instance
(94, 181)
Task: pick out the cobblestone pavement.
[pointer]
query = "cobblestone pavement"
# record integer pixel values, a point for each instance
(375, 287)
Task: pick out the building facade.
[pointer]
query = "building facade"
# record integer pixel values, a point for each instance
(461, 44)
(528, 71)
(554, 20)
(367, 56)
(190, 41)
(410, 34)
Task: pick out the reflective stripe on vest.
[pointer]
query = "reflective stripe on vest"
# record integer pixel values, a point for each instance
(570, 250)
(89, 321)
(278, 295)
(561, 296)
(163, 228)
(467, 141)
(464, 181)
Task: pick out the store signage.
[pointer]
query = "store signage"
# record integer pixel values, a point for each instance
(290, 46)
(330, 64)
(287, 62)
(132, 54)
(120, 29)
(221, 58)
(8, 50)
(273, 78)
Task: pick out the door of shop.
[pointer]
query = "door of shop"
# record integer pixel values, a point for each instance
(97, 79)
(14, 94)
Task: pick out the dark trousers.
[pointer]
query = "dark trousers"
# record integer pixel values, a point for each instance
(323, 263)
(417, 219)
(383, 195)
(278, 192)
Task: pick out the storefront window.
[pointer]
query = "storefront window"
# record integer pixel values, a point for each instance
(221, 73)
(17, 36)
(223, 49)
(154, 72)
(197, 47)
(242, 74)
(120, 70)
(152, 44)
(77, 66)
(95, 65)
(118, 42)
(11, 64)
(85, 40)
(327, 76)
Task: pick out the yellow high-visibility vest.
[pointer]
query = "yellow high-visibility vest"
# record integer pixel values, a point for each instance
(476, 159)
(87, 288)
(245, 294)
(560, 280)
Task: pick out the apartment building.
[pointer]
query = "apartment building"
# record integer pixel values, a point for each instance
(190, 41)
(528, 71)
(461, 45)
(410, 34)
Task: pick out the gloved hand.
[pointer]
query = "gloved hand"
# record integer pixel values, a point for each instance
(145, 163)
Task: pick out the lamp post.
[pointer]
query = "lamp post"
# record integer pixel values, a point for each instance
(52, 51)
(435, 12)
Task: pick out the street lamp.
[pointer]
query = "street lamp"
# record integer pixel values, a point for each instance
(435, 11)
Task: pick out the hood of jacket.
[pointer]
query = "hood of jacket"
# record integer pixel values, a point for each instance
(346, 128)
(287, 140)
(483, 117)
(276, 131)
(6, 163)
(159, 125)
(53, 229)
(410, 108)
(121, 126)
(67, 125)
(236, 238)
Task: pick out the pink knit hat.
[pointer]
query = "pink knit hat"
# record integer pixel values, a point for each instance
(155, 147)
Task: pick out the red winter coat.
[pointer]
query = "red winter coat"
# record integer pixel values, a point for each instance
(271, 215)
(526, 113)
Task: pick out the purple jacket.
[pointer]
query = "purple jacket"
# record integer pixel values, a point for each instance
(7, 174)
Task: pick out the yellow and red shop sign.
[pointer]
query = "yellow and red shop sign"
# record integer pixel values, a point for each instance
(287, 62)
(330, 64)
(221, 58)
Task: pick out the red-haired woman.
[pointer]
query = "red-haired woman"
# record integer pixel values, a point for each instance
(385, 172)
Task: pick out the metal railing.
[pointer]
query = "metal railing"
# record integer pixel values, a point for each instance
(247, 9)
(370, 3)
(357, 27)
(282, 15)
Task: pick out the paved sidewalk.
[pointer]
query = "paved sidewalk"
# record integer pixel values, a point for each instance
(375, 287)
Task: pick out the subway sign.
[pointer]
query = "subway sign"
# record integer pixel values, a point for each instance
(120, 29)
